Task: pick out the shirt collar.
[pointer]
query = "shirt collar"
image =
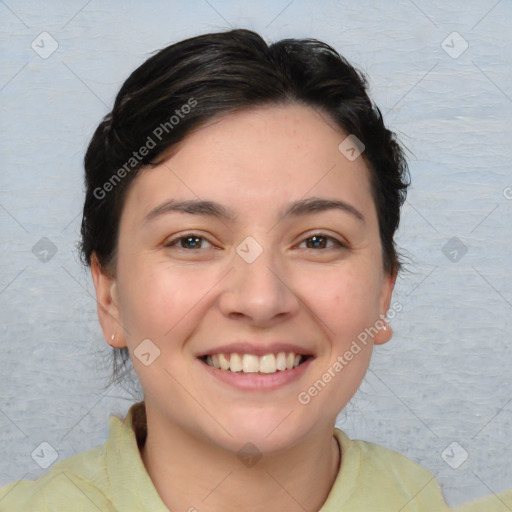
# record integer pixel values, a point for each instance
(131, 488)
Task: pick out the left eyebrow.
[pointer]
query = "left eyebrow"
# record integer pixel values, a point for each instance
(316, 204)
(298, 208)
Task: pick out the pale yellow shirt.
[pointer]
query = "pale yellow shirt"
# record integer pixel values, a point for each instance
(112, 477)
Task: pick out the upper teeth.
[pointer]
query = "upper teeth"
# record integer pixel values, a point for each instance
(250, 363)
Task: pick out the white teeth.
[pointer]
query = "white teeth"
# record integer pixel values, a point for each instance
(268, 363)
(250, 363)
(235, 363)
(224, 363)
(281, 361)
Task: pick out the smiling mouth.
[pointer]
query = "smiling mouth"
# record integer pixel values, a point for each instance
(250, 363)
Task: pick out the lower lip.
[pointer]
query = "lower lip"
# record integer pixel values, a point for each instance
(258, 381)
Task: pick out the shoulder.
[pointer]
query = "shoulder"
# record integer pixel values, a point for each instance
(377, 457)
(107, 478)
(78, 480)
(378, 476)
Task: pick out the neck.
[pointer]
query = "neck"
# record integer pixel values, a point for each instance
(193, 475)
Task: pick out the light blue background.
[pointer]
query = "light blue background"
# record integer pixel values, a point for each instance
(445, 377)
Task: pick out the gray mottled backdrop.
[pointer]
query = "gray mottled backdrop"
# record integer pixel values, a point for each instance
(440, 392)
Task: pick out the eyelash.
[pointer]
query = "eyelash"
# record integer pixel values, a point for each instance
(173, 242)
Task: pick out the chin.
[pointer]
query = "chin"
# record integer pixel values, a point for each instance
(268, 431)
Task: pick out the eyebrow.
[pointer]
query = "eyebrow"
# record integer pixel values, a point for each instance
(210, 208)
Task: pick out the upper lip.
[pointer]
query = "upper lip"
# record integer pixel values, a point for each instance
(258, 349)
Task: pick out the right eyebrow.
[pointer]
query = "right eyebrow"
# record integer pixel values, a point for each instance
(192, 206)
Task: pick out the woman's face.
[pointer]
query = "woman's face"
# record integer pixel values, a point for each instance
(256, 273)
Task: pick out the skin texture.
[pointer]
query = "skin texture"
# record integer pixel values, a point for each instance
(188, 301)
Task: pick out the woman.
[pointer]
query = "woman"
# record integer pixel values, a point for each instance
(239, 218)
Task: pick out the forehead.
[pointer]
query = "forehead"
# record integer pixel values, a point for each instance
(257, 159)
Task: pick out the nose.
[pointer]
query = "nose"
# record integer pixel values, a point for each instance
(258, 291)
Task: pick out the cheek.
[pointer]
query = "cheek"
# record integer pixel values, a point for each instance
(157, 302)
(346, 300)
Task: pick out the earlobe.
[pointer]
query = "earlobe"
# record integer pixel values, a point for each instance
(385, 333)
(107, 304)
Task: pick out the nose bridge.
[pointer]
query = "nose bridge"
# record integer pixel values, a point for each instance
(257, 288)
(254, 263)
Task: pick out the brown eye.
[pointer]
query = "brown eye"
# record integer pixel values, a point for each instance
(187, 242)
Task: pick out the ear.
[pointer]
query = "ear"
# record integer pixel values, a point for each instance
(107, 304)
(388, 284)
